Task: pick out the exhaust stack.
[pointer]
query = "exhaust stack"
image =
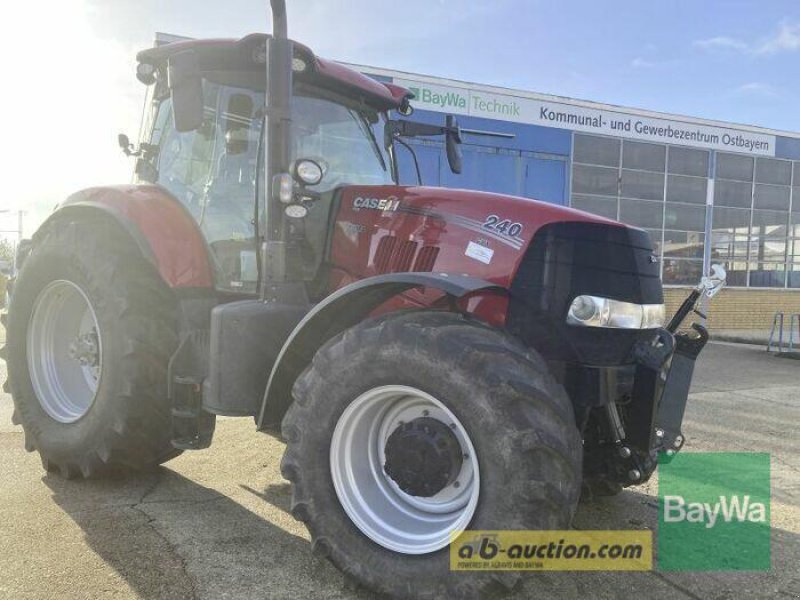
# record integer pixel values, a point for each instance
(280, 26)
(277, 156)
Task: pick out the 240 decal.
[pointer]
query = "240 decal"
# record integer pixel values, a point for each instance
(503, 226)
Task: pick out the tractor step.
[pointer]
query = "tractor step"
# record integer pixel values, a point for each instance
(192, 427)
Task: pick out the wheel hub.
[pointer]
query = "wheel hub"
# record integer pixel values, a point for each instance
(84, 349)
(423, 457)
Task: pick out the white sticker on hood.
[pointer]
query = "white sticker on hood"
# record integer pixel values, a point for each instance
(479, 253)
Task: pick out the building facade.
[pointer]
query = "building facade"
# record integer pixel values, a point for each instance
(708, 192)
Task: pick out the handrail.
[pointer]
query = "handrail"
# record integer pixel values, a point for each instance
(777, 321)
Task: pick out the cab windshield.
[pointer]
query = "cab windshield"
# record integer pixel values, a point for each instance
(213, 170)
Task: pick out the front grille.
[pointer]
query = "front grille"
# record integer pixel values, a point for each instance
(426, 258)
(403, 257)
(383, 254)
(394, 256)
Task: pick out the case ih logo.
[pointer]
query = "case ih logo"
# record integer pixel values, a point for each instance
(385, 204)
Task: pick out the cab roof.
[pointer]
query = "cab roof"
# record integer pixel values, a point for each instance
(249, 54)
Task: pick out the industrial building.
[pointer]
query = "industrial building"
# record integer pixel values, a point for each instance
(707, 191)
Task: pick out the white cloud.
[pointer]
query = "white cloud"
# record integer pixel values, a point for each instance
(641, 63)
(757, 88)
(722, 43)
(787, 39)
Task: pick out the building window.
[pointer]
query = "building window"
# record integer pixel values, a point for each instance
(587, 179)
(656, 187)
(594, 150)
(663, 189)
(644, 157)
(642, 213)
(688, 161)
(642, 185)
(734, 166)
(598, 205)
(752, 219)
(681, 188)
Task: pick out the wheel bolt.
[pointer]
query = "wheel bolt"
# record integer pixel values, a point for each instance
(634, 475)
(456, 484)
(678, 441)
(425, 413)
(660, 433)
(624, 451)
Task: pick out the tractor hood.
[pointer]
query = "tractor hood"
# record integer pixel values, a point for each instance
(380, 229)
(544, 255)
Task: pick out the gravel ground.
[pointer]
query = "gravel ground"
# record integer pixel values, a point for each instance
(214, 524)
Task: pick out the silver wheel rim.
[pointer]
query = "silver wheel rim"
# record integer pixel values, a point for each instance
(64, 351)
(373, 501)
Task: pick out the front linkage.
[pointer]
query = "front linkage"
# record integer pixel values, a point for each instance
(653, 416)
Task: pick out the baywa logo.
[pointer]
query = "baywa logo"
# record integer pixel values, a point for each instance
(714, 512)
(729, 509)
(449, 99)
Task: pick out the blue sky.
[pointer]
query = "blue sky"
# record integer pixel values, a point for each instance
(728, 60)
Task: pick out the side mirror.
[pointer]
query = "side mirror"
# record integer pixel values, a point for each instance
(453, 144)
(125, 143)
(405, 107)
(186, 87)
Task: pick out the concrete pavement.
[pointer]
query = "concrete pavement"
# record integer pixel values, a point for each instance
(214, 524)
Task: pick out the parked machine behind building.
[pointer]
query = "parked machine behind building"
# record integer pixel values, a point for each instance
(436, 360)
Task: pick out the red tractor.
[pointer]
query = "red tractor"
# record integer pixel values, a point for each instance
(436, 360)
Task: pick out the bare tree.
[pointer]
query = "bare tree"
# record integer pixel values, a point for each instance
(6, 250)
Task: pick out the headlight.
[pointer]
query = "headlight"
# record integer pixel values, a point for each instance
(592, 311)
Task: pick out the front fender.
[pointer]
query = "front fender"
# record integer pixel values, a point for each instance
(165, 232)
(341, 310)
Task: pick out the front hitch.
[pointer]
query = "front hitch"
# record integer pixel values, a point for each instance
(663, 376)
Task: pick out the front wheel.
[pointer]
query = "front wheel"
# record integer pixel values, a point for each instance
(410, 428)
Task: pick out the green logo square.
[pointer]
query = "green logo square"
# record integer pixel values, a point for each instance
(714, 512)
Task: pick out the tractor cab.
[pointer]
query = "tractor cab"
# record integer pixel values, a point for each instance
(204, 142)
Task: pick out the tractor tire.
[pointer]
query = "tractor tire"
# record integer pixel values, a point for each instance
(520, 467)
(91, 328)
(599, 488)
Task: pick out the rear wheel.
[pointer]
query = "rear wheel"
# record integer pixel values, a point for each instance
(90, 330)
(410, 428)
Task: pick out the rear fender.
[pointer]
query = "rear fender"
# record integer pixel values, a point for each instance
(341, 310)
(163, 230)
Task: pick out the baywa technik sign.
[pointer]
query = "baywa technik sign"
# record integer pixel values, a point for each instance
(477, 103)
